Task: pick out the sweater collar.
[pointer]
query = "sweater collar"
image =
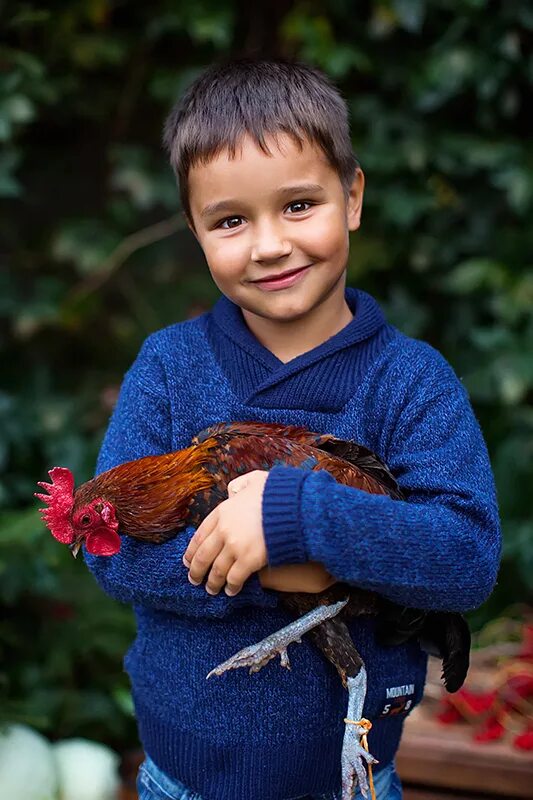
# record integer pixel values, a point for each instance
(368, 319)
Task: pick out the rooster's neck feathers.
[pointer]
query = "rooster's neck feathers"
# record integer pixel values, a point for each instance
(152, 494)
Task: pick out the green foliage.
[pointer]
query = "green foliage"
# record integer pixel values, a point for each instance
(99, 257)
(61, 643)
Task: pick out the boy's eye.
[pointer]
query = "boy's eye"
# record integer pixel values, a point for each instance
(299, 203)
(226, 223)
(228, 219)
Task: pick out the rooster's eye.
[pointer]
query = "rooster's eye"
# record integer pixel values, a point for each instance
(85, 519)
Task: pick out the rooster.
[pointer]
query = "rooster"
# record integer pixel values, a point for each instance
(153, 498)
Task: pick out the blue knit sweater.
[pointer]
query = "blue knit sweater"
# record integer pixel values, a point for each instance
(278, 733)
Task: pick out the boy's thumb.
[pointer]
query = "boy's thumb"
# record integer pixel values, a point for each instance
(235, 485)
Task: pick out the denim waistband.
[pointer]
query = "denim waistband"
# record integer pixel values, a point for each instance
(160, 786)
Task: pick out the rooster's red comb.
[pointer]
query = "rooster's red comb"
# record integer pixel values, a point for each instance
(60, 502)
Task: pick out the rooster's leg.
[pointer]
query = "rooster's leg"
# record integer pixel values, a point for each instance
(257, 655)
(352, 750)
(334, 640)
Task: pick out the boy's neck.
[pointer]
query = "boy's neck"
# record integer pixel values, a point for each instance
(287, 340)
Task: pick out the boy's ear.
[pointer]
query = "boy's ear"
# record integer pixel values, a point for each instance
(354, 205)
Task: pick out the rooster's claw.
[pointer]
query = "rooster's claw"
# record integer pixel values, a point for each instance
(257, 655)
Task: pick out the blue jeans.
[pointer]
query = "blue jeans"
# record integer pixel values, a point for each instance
(152, 784)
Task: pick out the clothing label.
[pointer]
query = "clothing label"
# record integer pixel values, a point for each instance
(398, 700)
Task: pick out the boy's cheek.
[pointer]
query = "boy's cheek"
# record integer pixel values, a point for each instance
(226, 277)
(227, 257)
(329, 238)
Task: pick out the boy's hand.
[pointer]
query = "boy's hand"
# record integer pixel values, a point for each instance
(230, 541)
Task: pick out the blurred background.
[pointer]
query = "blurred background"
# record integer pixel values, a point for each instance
(95, 255)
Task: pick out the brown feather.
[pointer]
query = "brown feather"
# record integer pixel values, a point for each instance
(152, 495)
(356, 454)
(157, 496)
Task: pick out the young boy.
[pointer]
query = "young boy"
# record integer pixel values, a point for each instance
(270, 188)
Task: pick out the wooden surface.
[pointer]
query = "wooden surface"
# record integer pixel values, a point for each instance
(444, 757)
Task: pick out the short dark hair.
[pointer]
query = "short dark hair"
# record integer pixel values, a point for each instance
(257, 97)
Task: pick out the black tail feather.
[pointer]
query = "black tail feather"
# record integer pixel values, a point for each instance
(440, 633)
(450, 634)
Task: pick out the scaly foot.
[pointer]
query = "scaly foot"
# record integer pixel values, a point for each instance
(353, 751)
(257, 655)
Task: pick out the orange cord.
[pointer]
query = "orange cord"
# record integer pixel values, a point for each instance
(366, 724)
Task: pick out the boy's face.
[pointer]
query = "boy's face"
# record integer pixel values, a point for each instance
(266, 227)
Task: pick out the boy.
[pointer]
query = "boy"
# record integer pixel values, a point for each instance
(270, 188)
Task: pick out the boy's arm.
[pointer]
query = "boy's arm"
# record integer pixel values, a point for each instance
(439, 549)
(311, 577)
(153, 574)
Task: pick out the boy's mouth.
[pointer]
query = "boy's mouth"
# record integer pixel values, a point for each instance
(283, 278)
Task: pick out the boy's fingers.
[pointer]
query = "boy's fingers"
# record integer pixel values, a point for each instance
(204, 557)
(217, 577)
(235, 578)
(206, 527)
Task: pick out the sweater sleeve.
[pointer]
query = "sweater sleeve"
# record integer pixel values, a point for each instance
(437, 550)
(154, 574)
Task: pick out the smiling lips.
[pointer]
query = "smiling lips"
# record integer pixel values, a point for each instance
(281, 281)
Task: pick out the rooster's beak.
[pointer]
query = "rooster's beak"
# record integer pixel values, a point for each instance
(75, 547)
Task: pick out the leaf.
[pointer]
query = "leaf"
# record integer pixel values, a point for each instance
(517, 181)
(410, 13)
(406, 313)
(18, 108)
(18, 527)
(474, 274)
(86, 243)
(518, 535)
(9, 161)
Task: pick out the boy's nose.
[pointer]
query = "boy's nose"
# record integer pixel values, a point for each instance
(270, 245)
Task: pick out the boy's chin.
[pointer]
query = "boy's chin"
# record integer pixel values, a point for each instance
(277, 305)
(288, 305)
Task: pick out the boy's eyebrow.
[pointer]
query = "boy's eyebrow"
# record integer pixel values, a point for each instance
(227, 205)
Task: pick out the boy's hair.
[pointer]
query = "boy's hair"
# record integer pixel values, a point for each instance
(257, 97)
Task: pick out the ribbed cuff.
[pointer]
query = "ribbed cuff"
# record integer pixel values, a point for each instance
(281, 516)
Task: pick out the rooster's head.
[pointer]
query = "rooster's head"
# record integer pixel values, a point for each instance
(93, 523)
